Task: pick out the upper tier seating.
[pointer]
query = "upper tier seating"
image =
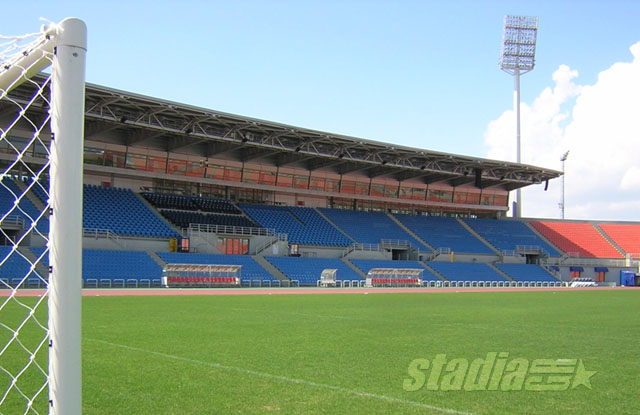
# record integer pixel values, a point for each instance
(526, 272)
(509, 234)
(307, 270)
(9, 191)
(370, 227)
(251, 270)
(215, 205)
(443, 232)
(122, 212)
(183, 218)
(459, 271)
(112, 265)
(169, 201)
(303, 225)
(627, 236)
(581, 238)
(367, 264)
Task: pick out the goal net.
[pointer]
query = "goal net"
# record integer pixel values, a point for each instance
(41, 147)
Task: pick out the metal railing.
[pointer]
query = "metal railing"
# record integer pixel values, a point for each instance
(97, 233)
(362, 247)
(120, 283)
(231, 230)
(430, 255)
(271, 283)
(14, 220)
(500, 284)
(395, 242)
(529, 248)
(259, 283)
(590, 262)
(280, 237)
(524, 249)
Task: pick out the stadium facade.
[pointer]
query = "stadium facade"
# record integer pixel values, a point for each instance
(184, 165)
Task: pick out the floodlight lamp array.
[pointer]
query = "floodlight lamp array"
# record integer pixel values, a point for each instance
(519, 43)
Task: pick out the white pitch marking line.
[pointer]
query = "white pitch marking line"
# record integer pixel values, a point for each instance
(286, 379)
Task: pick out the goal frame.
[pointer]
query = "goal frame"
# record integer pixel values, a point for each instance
(63, 46)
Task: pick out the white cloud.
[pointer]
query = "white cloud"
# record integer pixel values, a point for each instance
(602, 132)
(631, 180)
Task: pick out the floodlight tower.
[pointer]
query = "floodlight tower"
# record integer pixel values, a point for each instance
(563, 159)
(518, 58)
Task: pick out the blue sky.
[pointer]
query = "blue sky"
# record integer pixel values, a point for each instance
(416, 73)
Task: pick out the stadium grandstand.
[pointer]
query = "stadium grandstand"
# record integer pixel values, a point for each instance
(169, 183)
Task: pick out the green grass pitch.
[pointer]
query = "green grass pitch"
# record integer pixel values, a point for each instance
(349, 354)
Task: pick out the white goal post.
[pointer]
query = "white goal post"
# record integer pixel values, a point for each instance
(41, 118)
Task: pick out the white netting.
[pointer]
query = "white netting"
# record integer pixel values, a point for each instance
(24, 225)
(12, 48)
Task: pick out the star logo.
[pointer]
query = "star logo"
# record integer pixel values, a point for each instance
(583, 376)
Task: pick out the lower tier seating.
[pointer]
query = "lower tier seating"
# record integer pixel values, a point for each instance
(367, 264)
(119, 265)
(307, 270)
(25, 210)
(458, 271)
(526, 272)
(14, 267)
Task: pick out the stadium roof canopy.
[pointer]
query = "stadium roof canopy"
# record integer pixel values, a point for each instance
(134, 120)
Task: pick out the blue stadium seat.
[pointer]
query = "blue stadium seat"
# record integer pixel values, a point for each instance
(307, 270)
(508, 234)
(40, 190)
(15, 267)
(444, 232)
(125, 265)
(370, 227)
(367, 264)
(459, 271)
(122, 212)
(183, 219)
(303, 225)
(526, 272)
(9, 191)
(182, 202)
